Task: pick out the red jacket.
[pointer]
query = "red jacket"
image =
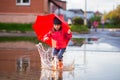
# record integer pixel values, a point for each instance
(59, 39)
(44, 24)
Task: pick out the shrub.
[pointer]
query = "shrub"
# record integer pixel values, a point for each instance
(78, 21)
(97, 18)
(112, 26)
(79, 28)
(116, 20)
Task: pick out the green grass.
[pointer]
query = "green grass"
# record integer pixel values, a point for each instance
(79, 28)
(28, 27)
(8, 27)
(16, 27)
(110, 26)
(15, 39)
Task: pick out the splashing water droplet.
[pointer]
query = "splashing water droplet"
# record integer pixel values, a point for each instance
(46, 59)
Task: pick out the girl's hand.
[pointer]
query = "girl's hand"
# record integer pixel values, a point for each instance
(45, 38)
(69, 31)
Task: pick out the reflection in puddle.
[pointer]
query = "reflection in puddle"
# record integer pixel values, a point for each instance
(23, 64)
(56, 75)
(19, 64)
(51, 75)
(94, 60)
(81, 41)
(77, 41)
(93, 39)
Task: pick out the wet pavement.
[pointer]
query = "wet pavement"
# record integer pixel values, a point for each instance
(107, 36)
(97, 59)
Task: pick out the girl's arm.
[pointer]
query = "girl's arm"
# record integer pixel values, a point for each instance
(68, 35)
(47, 36)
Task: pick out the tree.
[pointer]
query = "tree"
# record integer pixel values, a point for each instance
(97, 18)
(114, 16)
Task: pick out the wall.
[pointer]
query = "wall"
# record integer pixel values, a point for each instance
(10, 12)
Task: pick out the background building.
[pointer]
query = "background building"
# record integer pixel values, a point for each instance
(25, 11)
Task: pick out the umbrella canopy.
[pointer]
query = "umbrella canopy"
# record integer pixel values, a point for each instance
(44, 24)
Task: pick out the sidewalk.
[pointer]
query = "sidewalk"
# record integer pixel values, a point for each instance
(18, 34)
(93, 34)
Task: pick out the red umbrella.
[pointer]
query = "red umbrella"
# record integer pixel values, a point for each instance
(44, 24)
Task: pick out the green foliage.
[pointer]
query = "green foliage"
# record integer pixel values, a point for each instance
(78, 21)
(79, 28)
(11, 39)
(116, 20)
(97, 18)
(16, 27)
(114, 16)
(112, 26)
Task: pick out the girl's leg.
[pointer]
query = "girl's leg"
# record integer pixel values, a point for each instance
(60, 54)
(55, 52)
(54, 60)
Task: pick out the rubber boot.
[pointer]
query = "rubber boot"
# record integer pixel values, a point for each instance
(60, 64)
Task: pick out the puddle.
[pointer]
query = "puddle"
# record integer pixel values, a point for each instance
(19, 64)
(95, 59)
(80, 41)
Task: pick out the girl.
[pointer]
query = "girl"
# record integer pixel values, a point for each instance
(59, 38)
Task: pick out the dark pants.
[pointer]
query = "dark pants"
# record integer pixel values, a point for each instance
(59, 53)
(102, 26)
(95, 29)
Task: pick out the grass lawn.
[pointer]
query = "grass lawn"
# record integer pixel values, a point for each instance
(15, 27)
(79, 28)
(8, 27)
(15, 39)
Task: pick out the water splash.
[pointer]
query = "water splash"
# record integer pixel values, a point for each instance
(46, 58)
